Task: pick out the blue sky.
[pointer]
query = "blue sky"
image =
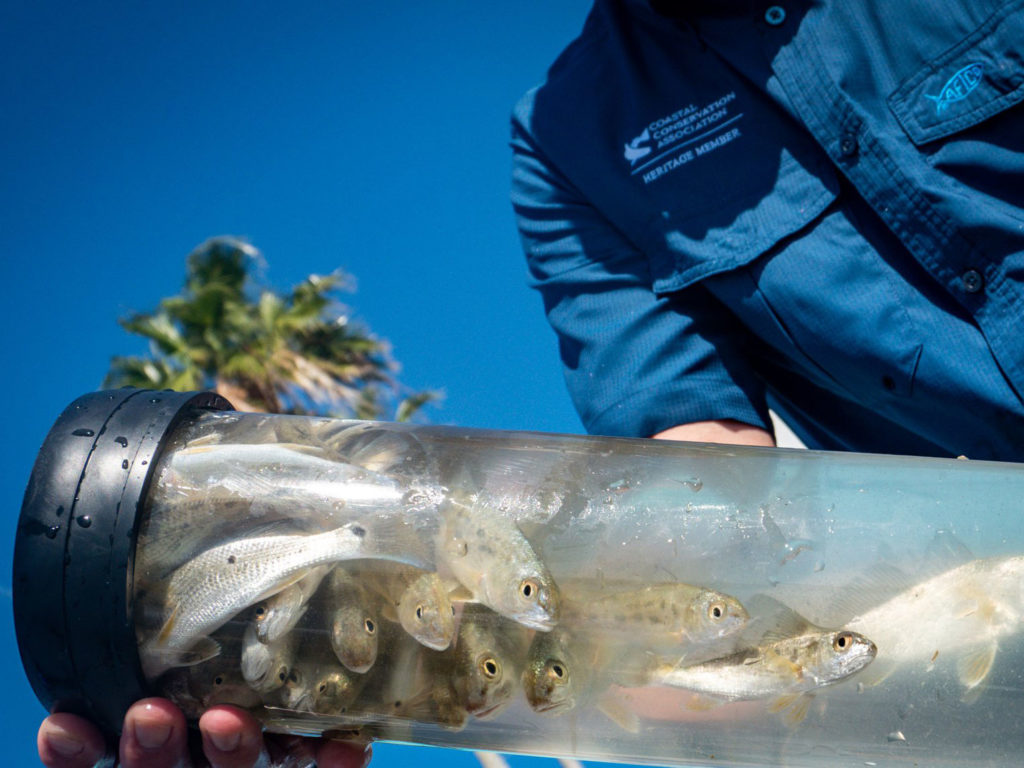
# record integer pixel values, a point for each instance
(367, 137)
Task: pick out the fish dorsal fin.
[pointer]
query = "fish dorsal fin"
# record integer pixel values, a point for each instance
(874, 587)
(774, 620)
(944, 552)
(308, 450)
(282, 527)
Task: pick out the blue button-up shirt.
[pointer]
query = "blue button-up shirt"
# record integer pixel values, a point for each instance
(816, 205)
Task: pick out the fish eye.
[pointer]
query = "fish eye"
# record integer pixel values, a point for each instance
(419, 611)
(322, 688)
(282, 675)
(843, 641)
(528, 588)
(490, 668)
(218, 680)
(558, 671)
(716, 611)
(261, 611)
(293, 677)
(369, 626)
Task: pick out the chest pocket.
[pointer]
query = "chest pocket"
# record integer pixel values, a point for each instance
(738, 208)
(970, 82)
(794, 261)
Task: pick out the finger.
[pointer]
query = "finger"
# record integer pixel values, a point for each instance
(231, 738)
(154, 736)
(69, 741)
(343, 754)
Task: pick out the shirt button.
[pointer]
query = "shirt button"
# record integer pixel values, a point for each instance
(848, 145)
(775, 15)
(972, 281)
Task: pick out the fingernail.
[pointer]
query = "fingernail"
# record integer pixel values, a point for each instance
(63, 743)
(225, 742)
(151, 735)
(367, 754)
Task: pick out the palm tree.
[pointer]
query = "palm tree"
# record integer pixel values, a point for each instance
(264, 351)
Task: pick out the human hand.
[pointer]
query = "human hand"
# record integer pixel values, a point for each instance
(155, 736)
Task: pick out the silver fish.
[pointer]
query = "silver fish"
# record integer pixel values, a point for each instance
(208, 590)
(265, 667)
(276, 616)
(286, 476)
(960, 614)
(780, 669)
(490, 556)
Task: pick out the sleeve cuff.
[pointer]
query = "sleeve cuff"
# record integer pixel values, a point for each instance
(652, 410)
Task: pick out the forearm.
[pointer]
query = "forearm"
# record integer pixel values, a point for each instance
(719, 431)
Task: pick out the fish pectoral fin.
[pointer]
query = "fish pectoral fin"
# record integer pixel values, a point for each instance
(389, 611)
(875, 674)
(461, 594)
(168, 627)
(973, 668)
(202, 650)
(784, 665)
(619, 713)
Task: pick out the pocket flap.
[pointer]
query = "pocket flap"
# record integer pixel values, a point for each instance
(685, 249)
(970, 82)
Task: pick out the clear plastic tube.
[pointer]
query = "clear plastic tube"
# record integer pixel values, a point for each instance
(610, 599)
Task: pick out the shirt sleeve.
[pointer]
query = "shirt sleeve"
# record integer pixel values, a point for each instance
(635, 363)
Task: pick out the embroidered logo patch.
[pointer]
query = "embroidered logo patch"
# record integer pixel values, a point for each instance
(958, 87)
(672, 141)
(636, 149)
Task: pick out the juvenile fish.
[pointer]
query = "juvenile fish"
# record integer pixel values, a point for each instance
(265, 667)
(782, 669)
(489, 555)
(354, 621)
(207, 591)
(295, 478)
(320, 686)
(479, 675)
(419, 600)
(276, 616)
(689, 619)
(961, 613)
(554, 680)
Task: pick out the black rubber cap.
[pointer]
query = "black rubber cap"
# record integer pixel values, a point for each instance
(75, 545)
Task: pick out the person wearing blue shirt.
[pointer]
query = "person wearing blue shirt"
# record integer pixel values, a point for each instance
(812, 206)
(729, 205)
